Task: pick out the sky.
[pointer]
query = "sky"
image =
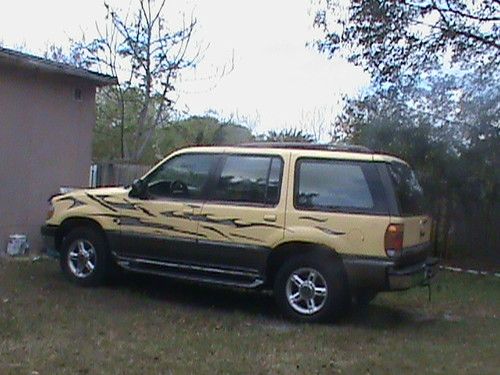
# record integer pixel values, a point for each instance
(277, 81)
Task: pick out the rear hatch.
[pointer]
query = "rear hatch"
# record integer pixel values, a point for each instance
(412, 213)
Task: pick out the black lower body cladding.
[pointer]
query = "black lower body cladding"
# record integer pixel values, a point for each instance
(413, 268)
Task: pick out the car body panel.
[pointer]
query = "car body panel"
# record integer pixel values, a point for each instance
(417, 229)
(233, 237)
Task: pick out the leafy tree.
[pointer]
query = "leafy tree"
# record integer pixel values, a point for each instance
(444, 121)
(448, 128)
(195, 130)
(392, 37)
(287, 135)
(200, 131)
(115, 122)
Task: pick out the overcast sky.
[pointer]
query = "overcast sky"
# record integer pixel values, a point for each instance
(276, 82)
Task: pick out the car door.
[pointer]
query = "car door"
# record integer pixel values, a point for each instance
(339, 204)
(162, 225)
(244, 214)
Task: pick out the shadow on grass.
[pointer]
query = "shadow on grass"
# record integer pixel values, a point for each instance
(384, 317)
(261, 304)
(199, 296)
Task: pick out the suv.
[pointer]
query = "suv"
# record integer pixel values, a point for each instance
(320, 225)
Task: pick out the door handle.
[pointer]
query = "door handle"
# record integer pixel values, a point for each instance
(270, 217)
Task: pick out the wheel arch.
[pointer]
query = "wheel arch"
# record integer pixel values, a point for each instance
(67, 225)
(284, 251)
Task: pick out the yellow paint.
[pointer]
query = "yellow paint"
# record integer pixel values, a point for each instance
(358, 234)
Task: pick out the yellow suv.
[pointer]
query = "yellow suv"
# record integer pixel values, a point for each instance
(320, 225)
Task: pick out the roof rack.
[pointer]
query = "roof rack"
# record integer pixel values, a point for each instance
(309, 146)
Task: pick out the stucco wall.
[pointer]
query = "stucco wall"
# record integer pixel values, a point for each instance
(45, 143)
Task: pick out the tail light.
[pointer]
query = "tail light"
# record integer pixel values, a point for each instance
(393, 240)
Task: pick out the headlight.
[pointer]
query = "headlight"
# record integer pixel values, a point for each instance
(50, 210)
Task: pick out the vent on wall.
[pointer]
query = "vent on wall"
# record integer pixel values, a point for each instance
(78, 94)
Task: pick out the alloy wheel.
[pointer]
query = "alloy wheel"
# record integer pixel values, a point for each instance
(306, 291)
(81, 258)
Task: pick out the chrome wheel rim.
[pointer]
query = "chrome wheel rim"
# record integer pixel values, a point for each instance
(81, 258)
(306, 291)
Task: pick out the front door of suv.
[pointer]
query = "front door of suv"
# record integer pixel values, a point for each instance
(244, 214)
(163, 224)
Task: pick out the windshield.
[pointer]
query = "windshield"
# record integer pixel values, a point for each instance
(409, 193)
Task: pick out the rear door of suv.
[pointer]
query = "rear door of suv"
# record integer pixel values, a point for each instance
(339, 203)
(244, 214)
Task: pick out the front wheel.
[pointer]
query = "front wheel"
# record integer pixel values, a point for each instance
(84, 257)
(311, 288)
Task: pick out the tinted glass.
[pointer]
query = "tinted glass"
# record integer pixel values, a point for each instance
(245, 179)
(332, 185)
(183, 176)
(274, 184)
(408, 190)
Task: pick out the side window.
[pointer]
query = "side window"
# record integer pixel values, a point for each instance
(408, 190)
(184, 176)
(250, 179)
(332, 185)
(274, 183)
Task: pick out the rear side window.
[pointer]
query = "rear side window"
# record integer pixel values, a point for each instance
(274, 183)
(409, 193)
(250, 179)
(335, 185)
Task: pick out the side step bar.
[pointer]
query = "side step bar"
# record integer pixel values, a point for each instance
(191, 272)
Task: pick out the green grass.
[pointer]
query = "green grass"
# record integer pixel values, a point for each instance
(149, 325)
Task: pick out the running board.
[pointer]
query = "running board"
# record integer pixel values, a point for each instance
(190, 272)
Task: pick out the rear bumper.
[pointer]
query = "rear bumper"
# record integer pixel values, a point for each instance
(382, 274)
(49, 233)
(411, 276)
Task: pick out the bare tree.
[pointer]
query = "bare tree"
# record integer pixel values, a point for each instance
(318, 122)
(144, 53)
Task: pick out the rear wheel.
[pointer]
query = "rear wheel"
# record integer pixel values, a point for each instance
(311, 287)
(84, 257)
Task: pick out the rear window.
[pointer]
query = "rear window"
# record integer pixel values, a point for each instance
(335, 185)
(409, 193)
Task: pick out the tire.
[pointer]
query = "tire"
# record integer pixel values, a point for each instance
(89, 266)
(329, 287)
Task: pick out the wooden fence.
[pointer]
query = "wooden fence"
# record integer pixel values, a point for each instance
(115, 173)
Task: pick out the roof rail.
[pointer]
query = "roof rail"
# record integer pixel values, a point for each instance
(309, 146)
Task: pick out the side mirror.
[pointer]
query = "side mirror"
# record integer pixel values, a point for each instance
(139, 189)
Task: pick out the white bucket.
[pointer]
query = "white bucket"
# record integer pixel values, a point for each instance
(18, 245)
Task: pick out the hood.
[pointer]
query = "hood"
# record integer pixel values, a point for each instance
(95, 191)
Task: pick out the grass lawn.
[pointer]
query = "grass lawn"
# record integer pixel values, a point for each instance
(149, 325)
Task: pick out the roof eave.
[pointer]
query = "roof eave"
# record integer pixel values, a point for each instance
(22, 60)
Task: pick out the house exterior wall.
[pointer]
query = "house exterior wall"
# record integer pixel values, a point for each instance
(45, 143)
